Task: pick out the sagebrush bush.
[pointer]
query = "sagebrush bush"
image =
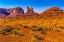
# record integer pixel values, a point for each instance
(3, 32)
(34, 26)
(43, 32)
(62, 27)
(16, 32)
(11, 30)
(34, 29)
(36, 36)
(39, 29)
(58, 30)
(26, 26)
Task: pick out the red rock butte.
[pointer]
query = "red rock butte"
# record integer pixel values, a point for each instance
(18, 11)
(53, 11)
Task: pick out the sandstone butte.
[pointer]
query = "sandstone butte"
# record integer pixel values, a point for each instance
(18, 11)
(53, 11)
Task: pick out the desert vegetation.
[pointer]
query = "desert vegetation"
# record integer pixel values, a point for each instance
(10, 30)
(45, 27)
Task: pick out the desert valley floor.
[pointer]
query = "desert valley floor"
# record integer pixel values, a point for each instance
(17, 26)
(32, 29)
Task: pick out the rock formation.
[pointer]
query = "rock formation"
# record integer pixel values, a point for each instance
(53, 11)
(2, 15)
(17, 11)
(3, 11)
(30, 11)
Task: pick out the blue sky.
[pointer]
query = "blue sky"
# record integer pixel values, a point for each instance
(38, 5)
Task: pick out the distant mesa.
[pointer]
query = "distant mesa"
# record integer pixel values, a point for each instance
(18, 11)
(53, 11)
(3, 11)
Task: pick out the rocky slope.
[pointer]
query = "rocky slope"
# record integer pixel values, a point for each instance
(53, 11)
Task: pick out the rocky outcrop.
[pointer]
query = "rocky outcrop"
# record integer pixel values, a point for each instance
(2, 16)
(3, 11)
(29, 11)
(17, 11)
(53, 11)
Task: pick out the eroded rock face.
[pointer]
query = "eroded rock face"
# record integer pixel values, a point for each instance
(3, 11)
(18, 10)
(30, 10)
(2, 16)
(15, 11)
(53, 11)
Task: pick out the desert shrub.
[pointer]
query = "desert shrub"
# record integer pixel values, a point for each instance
(8, 29)
(3, 32)
(43, 32)
(34, 29)
(11, 30)
(48, 28)
(58, 30)
(39, 29)
(62, 27)
(26, 26)
(36, 36)
(19, 24)
(34, 26)
(45, 28)
(16, 32)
